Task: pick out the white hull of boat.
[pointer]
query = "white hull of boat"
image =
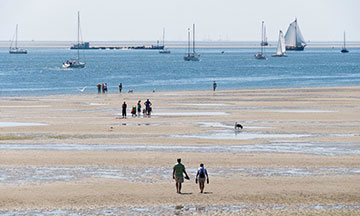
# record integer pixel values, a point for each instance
(259, 56)
(192, 58)
(18, 51)
(164, 51)
(74, 65)
(279, 55)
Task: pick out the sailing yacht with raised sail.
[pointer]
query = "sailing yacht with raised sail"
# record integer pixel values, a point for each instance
(192, 56)
(344, 50)
(294, 40)
(164, 50)
(261, 55)
(75, 63)
(280, 50)
(16, 49)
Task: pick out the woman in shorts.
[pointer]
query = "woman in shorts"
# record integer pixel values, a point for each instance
(201, 176)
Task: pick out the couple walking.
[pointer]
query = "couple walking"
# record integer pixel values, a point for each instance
(201, 176)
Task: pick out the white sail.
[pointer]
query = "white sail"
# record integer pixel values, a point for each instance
(279, 50)
(293, 36)
(282, 42)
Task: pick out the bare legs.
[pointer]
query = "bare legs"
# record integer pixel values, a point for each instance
(178, 187)
(201, 186)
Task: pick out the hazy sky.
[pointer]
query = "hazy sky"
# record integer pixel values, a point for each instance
(118, 20)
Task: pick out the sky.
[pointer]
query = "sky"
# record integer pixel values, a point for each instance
(138, 20)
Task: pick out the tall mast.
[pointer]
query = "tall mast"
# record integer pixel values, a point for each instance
(188, 41)
(78, 36)
(344, 40)
(163, 36)
(262, 37)
(16, 36)
(194, 39)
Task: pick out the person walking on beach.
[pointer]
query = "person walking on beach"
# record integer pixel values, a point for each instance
(124, 106)
(139, 108)
(178, 171)
(105, 88)
(99, 88)
(201, 175)
(148, 105)
(120, 87)
(214, 86)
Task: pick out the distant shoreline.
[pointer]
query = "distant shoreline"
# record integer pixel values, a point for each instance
(177, 44)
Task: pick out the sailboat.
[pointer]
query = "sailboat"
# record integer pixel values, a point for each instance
(265, 42)
(164, 51)
(192, 56)
(344, 50)
(280, 51)
(261, 54)
(75, 63)
(16, 50)
(293, 37)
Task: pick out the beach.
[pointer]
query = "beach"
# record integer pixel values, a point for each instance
(298, 153)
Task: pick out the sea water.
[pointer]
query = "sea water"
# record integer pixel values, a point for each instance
(40, 72)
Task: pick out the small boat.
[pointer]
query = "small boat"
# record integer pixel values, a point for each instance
(16, 50)
(280, 51)
(192, 56)
(164, 50)
(293, 38)
(75, 63)
(344, 50)
(261, 55)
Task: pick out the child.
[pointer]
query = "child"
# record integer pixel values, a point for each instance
(133, 111)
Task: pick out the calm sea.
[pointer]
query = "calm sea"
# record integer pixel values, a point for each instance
(40, 73)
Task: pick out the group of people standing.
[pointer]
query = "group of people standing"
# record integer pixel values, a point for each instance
(178, 176)
(102, 88)
(136, 110)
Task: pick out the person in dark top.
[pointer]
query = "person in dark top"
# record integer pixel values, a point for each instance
(201, 175)
(124, 106)
(120, 87)
(214, 85)
(139, 108)
(99, 88)
(148, 107)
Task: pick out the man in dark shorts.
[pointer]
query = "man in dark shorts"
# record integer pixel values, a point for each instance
(178, 171)
(124, 106)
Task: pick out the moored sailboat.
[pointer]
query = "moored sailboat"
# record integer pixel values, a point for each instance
(344, 50)
(164, 50)
(261, 55)
(280, 50)
(75, 63)
(192, 56)
(16, 49)
(294, 40)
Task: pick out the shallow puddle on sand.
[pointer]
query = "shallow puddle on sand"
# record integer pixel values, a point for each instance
(319, 148)
(189, 113)
(20, 124)
(241, 135)
(185, 210)
(37, 175)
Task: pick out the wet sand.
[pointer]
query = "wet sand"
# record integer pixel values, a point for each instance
(299, 153)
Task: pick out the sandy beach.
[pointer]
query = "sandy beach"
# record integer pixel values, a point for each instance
(298, 153)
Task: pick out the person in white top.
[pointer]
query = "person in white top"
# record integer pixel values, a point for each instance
(201, 176)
